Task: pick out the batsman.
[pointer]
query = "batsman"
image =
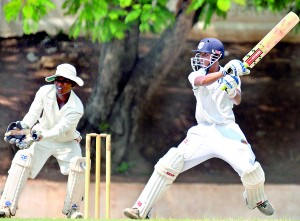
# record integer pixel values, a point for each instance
(48, 129)
(217, 89)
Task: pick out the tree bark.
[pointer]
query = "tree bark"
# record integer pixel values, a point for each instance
(116, 61)
(126, 82)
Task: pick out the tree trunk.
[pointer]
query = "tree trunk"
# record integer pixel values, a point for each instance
(116, 61)
(126, 82)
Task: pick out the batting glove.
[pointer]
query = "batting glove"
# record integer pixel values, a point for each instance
(232, 83)
(235, 67)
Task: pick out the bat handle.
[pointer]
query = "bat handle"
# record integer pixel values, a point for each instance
(246, 65)
(223, 87)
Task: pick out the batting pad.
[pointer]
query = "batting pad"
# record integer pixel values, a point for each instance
(165, 172)
(16, 180)
(75, 186)
(254, 180)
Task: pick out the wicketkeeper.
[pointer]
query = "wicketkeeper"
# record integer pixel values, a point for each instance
(48, 129)
(217, 89)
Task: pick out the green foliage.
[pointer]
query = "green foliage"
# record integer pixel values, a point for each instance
(104, 127)
(223, 5)
(195, 5)
(207, 8)
(125, 3)
(30, 12)
(124, 167)
(105, 20)
(276, 5)
(133, 15)
(101, 21)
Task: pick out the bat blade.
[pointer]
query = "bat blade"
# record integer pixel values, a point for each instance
(270, 40)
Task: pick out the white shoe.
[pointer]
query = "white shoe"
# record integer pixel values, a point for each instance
(132, 213)
(74, 214)
(5, 213)
(266, 208)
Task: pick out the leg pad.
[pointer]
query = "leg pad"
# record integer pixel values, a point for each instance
(16, 180)
(75, 186)
(165, 172)
(253, 181)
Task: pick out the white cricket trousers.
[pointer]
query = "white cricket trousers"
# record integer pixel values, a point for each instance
(227, 142)
(62, 151)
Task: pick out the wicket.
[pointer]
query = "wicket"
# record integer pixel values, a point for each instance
(97, 174)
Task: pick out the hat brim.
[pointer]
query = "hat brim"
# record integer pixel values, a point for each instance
(77, 80)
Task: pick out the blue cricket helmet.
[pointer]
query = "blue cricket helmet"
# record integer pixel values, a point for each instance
(211, 46)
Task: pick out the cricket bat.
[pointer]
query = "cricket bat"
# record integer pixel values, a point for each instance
(269, 41)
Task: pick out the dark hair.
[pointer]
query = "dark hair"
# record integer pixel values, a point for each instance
(73, 83)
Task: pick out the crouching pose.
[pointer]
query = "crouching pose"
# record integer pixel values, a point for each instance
(217, 89)
(48, 129)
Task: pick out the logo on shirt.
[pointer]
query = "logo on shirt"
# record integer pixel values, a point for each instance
(23, 157)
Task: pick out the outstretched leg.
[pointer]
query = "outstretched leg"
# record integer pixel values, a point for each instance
(75, 188)
(165, 172)
(254, 180)
(15, 183)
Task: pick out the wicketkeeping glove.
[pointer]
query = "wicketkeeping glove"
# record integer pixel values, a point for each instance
(18, 135)
(25, 143)
(235, 67)
(36, 135)
(15, 132)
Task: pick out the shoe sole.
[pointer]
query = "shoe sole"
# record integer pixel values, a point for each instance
(266, 212)
(131, 215)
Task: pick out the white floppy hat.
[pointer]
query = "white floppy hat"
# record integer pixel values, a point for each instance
(66, 71)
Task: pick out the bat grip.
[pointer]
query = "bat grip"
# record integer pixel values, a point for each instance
(229, 71)
(223, 87)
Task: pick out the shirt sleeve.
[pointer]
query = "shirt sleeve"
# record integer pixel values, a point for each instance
(194, 75)
(66, 124)
(35, 109)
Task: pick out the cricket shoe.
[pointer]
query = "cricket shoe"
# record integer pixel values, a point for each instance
(132, 213)
(266, 208)
(74, 214)
(5, 213)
